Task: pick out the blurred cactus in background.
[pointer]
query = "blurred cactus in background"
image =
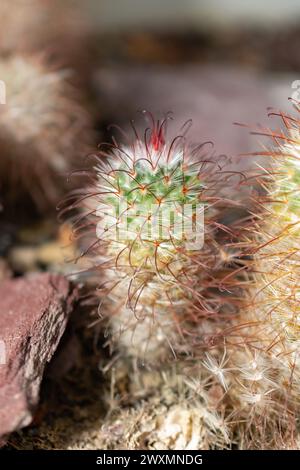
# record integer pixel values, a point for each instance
(43, 130)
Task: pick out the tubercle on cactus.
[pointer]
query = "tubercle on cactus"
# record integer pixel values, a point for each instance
(162, 292)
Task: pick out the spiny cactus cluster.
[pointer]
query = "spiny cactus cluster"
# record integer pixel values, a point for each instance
(41, 126)
(260, 371)
(278, 256)
(250, 380)
(276, 288)
(227, 308)
(146, 209)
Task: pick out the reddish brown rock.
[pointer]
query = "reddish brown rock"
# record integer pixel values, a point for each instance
(33, 315)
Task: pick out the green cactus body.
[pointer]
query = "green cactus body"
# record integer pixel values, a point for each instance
(149, 203)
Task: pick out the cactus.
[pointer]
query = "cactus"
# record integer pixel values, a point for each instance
(40, 126)
(277, 256)
(164, 285)
(276, 289)
(276, 248)
(259, 372)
